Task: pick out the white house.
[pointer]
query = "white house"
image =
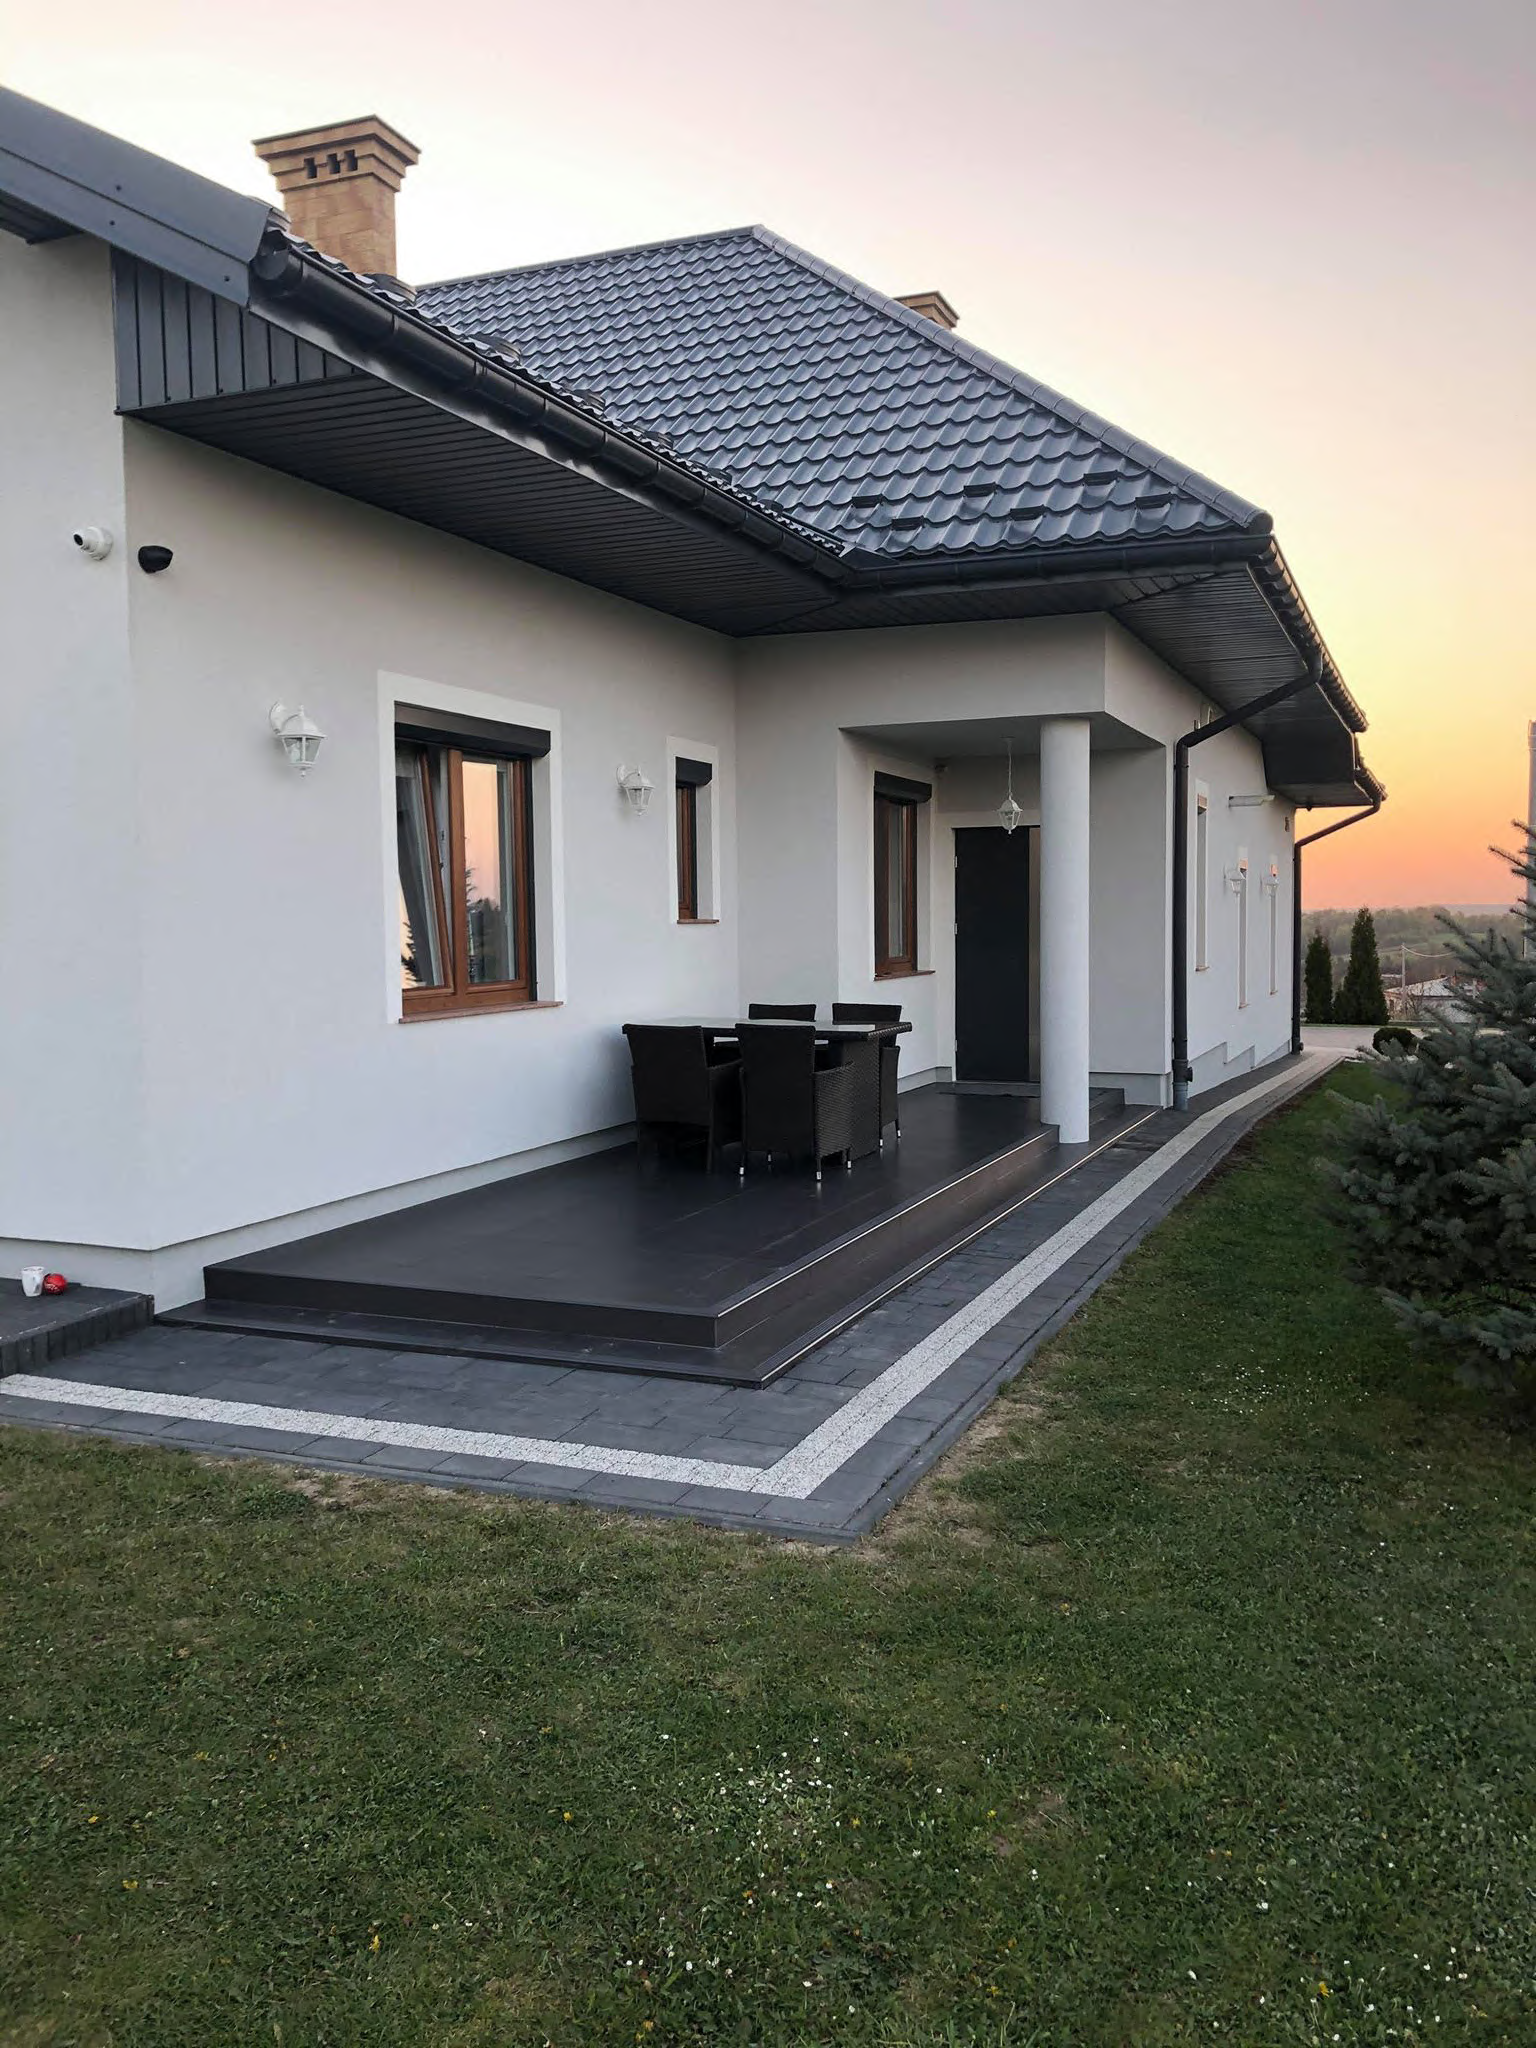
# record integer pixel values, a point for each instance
(707, 513)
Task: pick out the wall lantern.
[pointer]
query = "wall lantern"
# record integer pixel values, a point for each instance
(299, 735)
(1008, 812)
(637, 787)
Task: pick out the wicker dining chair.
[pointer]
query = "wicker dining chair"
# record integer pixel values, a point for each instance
(788, 1102)
(890, 1055)
(792, 1013)
(684, 1088)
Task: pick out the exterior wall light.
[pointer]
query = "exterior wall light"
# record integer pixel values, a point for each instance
(1250, 803)
(298, 734)
(637, 787)
(1008, 812)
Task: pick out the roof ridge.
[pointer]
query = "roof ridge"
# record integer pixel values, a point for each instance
(1250, 517)
(593, 256)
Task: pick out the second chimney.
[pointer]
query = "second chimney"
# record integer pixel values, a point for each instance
(338, 186)
(932, 306)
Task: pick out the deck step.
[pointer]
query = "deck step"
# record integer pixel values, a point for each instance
(36, 1332)
(823, 1275)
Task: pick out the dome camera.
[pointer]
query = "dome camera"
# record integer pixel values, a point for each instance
(154, 558)
(93, 541)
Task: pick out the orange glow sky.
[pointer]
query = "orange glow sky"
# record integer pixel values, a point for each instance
(1291, 244)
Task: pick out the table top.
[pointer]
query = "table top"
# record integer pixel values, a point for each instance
(725, 1025)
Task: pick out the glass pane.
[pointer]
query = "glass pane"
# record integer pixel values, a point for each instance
(490, 871)
(687, 851)
(421, 958)
(897, 908)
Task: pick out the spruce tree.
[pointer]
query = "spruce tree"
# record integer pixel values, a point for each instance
(1439, 1173)
(1361, 999)
(1319, 981)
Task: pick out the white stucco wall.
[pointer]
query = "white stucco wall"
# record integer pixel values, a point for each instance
(272, 1011)
(71, 968)
(208, 1052)
(1225, 1035)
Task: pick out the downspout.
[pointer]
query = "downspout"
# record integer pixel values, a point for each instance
(1378, 796)
(1183, 1074)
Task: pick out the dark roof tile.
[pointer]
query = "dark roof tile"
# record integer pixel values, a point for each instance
(835, 406)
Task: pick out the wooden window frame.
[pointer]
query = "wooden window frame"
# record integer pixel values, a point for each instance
(458, 996)
(890, 966)
(686, 810)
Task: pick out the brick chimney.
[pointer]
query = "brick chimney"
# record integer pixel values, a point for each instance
(932, 306)
(338, 186)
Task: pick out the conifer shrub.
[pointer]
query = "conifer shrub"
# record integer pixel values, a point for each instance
(1318, 981)
(1438, 1174)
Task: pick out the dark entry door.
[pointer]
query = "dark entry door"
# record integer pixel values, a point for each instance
(991, 954)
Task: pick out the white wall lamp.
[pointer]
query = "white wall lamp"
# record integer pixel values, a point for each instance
(637, 787)
(1008, 811)
(1237, 878)
(298, 735)
(1250, 803)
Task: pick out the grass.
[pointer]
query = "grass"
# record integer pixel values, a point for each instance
(1192, 1701)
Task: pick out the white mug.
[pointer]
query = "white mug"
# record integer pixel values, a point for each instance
(32, 1280)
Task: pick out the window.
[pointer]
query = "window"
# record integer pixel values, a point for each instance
(1202, 878)
(895, 885)
(691, 781)
(1272, 887)
(462, 829)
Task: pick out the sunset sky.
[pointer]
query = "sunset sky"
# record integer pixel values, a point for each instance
(1290, 244)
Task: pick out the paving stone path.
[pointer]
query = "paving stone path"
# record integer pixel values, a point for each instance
(822, 1452)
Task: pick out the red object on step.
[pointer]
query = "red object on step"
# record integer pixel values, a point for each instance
(54, 1283)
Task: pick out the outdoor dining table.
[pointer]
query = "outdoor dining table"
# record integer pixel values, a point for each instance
(856, 1045)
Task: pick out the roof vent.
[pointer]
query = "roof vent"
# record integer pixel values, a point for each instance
(338, 186)
(932, 306)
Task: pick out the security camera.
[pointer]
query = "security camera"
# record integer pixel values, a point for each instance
(94, 541)
(154, 558)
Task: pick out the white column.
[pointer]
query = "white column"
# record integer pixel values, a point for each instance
(1064, 756)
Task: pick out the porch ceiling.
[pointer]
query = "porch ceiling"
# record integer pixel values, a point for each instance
(959, 739)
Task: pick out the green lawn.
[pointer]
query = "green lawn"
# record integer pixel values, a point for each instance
(1194, 1701)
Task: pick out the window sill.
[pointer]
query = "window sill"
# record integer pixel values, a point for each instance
(484, 1009)
(903, 973)
(696, 920)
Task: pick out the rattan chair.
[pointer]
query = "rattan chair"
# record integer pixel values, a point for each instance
(792, 1013)
(788, 1103)
(684, 1089)
(890, 1055)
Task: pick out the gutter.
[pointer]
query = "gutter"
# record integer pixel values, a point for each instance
(1378, 797)
(1183, 1074)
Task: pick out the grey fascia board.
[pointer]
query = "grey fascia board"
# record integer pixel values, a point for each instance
(129, 198)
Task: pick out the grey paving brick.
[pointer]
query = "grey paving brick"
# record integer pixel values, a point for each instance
(462, 1466)
(736, 1450)
(619, 1491)
(339, 1449)
(719, 1497)
(398, 1458)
